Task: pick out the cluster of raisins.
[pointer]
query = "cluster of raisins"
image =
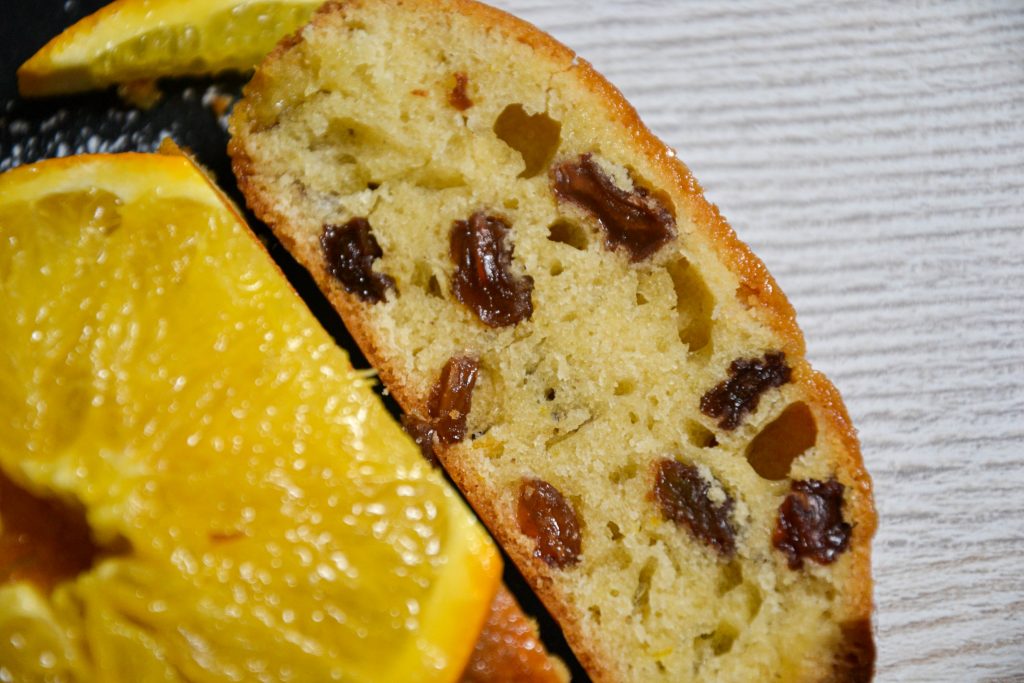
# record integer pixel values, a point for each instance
(810, 524)
(483, 279)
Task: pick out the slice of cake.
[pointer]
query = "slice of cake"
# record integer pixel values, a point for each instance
(612, 378)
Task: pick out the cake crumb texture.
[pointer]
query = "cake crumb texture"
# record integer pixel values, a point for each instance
(654, 377)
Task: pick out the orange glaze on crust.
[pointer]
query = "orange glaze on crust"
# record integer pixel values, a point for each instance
(509, 649)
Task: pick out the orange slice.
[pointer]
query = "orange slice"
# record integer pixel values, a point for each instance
(131, 40)
(233, 502)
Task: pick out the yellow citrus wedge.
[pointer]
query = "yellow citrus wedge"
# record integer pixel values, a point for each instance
(195, 484)
(130, 40)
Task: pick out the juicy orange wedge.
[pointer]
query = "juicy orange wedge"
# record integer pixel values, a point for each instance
(131, 40)
(195, 485)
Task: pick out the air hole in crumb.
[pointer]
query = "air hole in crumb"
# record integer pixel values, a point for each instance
(556, 269)
(534, 136)
(624, 473)
(700, 436)
(438, 178)
(754, 601)
(640, 299)
(621, 557)
(372, 186)
(595, 612)
(723, 638)
(489, 446)
(641, 596)
(772, 452)
(423, 277)
(729, 576)
(625, 387)
(549, 395)
(511, 203)
(694, 305)
(616, 533)
(567, 232)
(633, 418)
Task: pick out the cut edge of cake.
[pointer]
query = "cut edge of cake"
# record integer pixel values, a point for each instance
(762, 295)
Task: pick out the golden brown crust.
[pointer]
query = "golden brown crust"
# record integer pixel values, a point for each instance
(480, 496)
(757, 289)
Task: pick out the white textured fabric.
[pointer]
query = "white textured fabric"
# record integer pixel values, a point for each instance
(873, 156)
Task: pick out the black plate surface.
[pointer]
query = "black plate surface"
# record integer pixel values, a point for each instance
(101, 122)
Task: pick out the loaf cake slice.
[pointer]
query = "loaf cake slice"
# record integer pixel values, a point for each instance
(610, 376)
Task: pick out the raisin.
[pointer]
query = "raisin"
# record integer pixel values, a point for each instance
(350, 251)
(423, 433)
(483, 280)
(448, 407)
(733, 398)
(458, 97)
(683, 497)
(634, 221)
(452, 398)
(810, 523)
(549, 519)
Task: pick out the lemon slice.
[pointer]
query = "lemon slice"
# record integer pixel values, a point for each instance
(233, 503)
(132, 40)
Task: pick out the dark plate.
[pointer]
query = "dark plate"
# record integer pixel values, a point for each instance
(101, 122)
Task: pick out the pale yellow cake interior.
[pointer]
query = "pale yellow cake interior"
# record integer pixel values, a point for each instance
(606, 376)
